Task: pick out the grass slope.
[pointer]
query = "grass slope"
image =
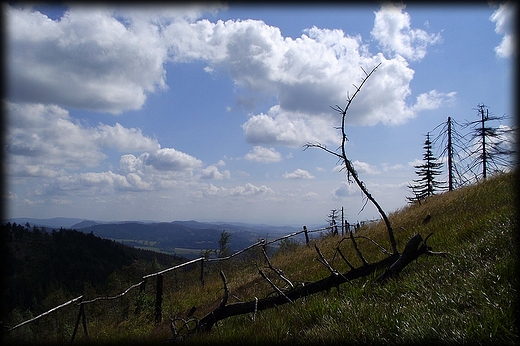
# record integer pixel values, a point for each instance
(468, 297)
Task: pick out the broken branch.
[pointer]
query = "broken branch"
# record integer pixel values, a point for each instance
(277, 271)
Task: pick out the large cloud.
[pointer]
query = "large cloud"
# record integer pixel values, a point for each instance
(46, 136)
(288, 128)
(97, 58)
(109, 60)
(46, 141)
(309, 74)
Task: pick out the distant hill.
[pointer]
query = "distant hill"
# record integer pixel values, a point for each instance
(170, 236)
(181, 237)
(56, 222)
(84, 224)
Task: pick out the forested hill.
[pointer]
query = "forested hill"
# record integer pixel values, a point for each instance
(36, 264)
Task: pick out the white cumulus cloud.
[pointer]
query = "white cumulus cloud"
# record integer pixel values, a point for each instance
(365, 168)
(344, 190)
(242, 190)
(433, 100)
(212, 172)
(87, 59)
(109, 59)
(46, 136)
(393, 31)
(298, 174)
(170, 159)
(263, 155)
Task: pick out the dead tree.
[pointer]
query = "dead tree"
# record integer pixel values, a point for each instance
(494, 146)
(342, 157)
(394, 262)
(452, 146)
(332, 221)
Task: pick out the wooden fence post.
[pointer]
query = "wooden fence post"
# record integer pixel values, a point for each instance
(306, 235)
(84, 320)
(158, 299)
(77, 324)
(81, 315)
(342, 222)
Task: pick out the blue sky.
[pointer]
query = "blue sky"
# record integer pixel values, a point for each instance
(178, 113)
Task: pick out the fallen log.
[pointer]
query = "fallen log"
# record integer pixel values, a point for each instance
(394, 263)
(224, 310)
(414, 248)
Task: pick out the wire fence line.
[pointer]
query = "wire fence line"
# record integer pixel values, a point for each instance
(159, 275)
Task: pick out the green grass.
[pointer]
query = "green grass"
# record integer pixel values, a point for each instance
(468, 297)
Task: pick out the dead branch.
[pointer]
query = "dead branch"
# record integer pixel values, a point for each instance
(360, 255)
(276, 270)
(114, 297)
(46, 313)
(344, 258)
(256, 308)
(394, 263)
(274, 286)
(383, 250)
(226, 291)
(178, 334)
(260, 242)
(323, 261)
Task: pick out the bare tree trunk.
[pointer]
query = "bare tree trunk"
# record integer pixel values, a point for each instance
(351, 172)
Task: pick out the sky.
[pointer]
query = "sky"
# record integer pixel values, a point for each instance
(201, 112)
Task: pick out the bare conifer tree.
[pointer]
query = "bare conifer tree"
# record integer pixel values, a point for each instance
(453, 146)
(491, 148)
(332, 221)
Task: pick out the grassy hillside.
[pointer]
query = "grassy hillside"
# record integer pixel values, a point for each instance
(468, 297)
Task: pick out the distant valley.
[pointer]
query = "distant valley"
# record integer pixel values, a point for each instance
(182, 238)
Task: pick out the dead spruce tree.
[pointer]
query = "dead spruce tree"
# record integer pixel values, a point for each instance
(394, 262)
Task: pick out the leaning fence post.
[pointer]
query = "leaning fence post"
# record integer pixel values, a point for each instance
(158, 299)
(77, 323)
(81, 315)
(84, 320)
(306, 235)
